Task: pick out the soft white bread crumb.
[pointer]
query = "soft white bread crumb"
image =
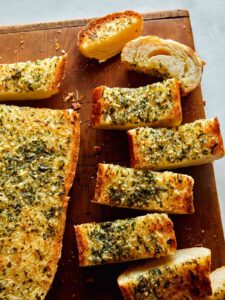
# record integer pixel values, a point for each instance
(164, 58)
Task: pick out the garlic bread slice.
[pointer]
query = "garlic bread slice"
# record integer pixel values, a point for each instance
(190, 144)
(166, 192)
(155, 105)
(105, 37)
(28, 80)
(142, 237)
(164, 58)
(184, 275)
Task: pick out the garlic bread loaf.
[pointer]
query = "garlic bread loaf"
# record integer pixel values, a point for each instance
(155, 105)
(105, 37)
(39, 151)
(165, 59)
(32, 80)
(139, 189)
(217, 278)
(184, 275)
(190, 144)
(142, 237)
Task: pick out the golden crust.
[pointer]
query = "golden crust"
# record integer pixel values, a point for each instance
(81, 245)
(59, 72)
(134, 161)
(155, 231)
(170, 117)
(177, 200)
(97, 106)
(214, 128)
(101, 180)
(213, 146)
(95, 24)
(73, 117)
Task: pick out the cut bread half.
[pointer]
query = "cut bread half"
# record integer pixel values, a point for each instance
(166, 192)
(165, 59)
(32, 80)
(155, 105)
(184, 275)
(105, 37)
(142, 237)
(190, 144)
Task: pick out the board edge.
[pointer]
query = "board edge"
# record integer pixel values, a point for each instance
(177, 13)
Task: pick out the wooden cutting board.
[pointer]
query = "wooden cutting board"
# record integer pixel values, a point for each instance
(30, 42)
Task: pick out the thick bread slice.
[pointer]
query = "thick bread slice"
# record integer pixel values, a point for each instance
(155, 105)
(39, 151)
(32, 80)
(124, 240)
(184, 275)
(218, 284)
(164, 58)
(153, 191)
(190, 144)
(105, 37)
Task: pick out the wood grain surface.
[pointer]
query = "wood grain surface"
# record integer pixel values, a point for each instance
(30, 42)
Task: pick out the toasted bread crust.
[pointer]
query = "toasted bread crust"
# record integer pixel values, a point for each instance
(113, 180)
(155, 230)
(211, 150)
(166, 114)
(82, 246)
(95, 24)
(97, 106)
(59, 72)
(73, 118)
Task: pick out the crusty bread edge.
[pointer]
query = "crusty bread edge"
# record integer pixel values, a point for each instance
(82, 245)
(176, 117)
(94, 24)
(218, 151)
(97, 102)
(100, 181)
(72, 118)
(132, 147)
(59, 73)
